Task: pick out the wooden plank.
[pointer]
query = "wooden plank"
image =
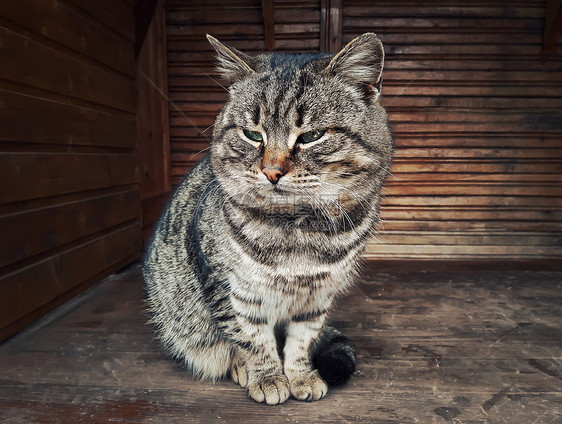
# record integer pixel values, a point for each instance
(422, 65)
(478, 140)
(503, 77)
(151, 210)
(231, 31)
(144, 12)
(152, 110)
(331, 31)
(56, 21)
(34, 175)
(230, 15)
(359, 23)
(459, 50)
(399, 102)
(454, 188)
(478, 153)
(54, 276)
(476, 167)
(58, 123)
(466, 90)
(474, 338)
(42, 67)
(552, 24)
(267, 9)
(478, 213)
(514, 202)
(446, 11)
(489, 238)
(491, 178)
(115, 15)
(58, 224)
(458, 252)
(468, 225)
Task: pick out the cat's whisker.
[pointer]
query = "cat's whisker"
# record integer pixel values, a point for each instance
(364, 203)
(318, 206)
(345, 216)
(208, 128)
(171, 102)
(200, 151)
(218, 83)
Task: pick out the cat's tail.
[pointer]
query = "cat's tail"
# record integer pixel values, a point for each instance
(334, 357)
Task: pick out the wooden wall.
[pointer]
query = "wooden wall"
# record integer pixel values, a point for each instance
(153, 128)
(69, 193)
(476, 112)
(475, 108)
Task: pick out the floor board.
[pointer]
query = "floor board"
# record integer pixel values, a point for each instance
(452, 344)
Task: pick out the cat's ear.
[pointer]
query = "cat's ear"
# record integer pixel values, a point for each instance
(360, 62)
(232, 64)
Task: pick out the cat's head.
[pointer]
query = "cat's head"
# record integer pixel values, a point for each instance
(303, 128)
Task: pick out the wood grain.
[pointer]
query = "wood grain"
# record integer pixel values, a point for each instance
(464, 81)
(470, 342)
(67, 27)
(69, 198)
(153, 128)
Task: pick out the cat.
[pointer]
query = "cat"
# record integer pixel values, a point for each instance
(263, 234)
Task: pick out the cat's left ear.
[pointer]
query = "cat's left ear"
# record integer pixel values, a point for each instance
(232, 64)
(360, 62)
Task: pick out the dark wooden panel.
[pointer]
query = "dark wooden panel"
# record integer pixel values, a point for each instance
(442, 9)
(42, 174)
(69, 198)
(152, 209)
(54, 20)
(153, 127)
(59, 123)
(56, 225)
(152, 110)
(40, 66)
(114, 15)
(29, 288)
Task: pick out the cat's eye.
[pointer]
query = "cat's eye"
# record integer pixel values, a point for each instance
(254, 135)
(309, 137)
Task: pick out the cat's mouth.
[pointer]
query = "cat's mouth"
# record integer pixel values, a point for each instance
(281, 191)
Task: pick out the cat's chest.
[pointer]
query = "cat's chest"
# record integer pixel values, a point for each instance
(282, 303)
(282, 296)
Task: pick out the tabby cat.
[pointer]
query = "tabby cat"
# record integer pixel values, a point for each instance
(263, 234)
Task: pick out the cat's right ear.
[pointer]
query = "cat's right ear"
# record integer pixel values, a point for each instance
(232, 64)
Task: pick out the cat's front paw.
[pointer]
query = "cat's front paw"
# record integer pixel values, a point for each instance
(308, 386)
(272, 389)
(239, 372)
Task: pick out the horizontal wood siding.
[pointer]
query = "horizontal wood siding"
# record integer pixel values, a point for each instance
(476, 112)
(69, 198)
(475, 108)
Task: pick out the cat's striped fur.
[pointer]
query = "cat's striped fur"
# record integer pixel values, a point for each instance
(262, 235)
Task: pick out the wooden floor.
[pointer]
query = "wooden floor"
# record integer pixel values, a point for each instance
(454, 344)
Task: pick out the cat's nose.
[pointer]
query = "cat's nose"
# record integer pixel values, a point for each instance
(273, 174)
